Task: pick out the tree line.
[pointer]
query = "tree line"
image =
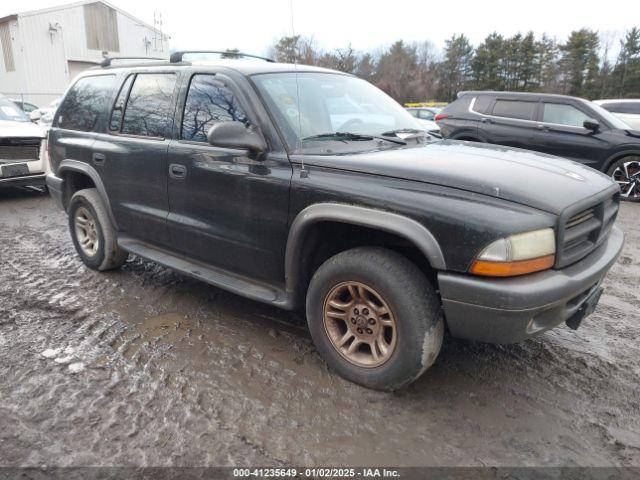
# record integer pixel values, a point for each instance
(584, 65)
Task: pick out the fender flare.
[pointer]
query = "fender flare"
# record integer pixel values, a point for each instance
(389, 222)
(618, 155)
(69, 165)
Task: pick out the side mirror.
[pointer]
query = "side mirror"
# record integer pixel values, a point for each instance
(35, 115)
(591, 124)
(235, 135)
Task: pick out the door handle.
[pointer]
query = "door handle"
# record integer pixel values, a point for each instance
(98, 158)
(177, 171)
(486, 120)
(542, 127)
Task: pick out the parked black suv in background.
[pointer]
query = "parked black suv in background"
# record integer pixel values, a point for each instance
(564, 126)
(311, 189)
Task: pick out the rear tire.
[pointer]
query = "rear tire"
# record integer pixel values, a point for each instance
(93, 233)
(622, 171)
(346, 301)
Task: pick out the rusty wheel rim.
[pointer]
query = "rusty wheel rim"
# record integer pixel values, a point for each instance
(360, 324)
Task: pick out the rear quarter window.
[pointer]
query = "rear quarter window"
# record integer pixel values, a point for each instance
(82, 106)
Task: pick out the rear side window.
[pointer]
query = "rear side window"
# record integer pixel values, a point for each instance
(209, 101)
(148, 109)
(623, 107)
(118, 107)
(563, 115)
(514, 109)
(481, 105)
(82, 106)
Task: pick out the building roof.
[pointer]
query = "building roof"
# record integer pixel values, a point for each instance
(80, 3)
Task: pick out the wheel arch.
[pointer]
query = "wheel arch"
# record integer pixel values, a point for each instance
(350, 215)
(618, 156)
(69, 168)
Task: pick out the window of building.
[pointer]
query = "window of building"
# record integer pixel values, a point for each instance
(7, 47)
(148, 110)
(86, 100)
(209, 101)
(101, 27)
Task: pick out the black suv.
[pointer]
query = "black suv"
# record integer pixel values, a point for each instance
(311, 189)
(565, 126)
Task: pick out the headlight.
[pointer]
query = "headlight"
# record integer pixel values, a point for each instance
(516, 255)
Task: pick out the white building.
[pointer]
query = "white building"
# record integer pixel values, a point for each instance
(43, 50)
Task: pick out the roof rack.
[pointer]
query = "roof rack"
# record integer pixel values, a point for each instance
(108, 60)
(176, 57)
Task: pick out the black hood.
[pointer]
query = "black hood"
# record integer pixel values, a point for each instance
(534, 179)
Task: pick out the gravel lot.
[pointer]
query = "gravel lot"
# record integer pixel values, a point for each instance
(146, 367)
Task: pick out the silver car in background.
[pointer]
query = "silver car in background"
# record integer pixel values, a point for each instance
(627, 110)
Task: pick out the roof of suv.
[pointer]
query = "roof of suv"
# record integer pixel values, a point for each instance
(245, 67)
(516, 94)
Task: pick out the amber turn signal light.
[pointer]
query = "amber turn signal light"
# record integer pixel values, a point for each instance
(511, 269)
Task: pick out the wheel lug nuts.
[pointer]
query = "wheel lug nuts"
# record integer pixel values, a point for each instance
(353, 320)
(372, 321)
(369, 331)
(365, 311)
(355, 310)
(360, 331)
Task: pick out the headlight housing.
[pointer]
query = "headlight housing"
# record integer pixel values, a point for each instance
(517, 254)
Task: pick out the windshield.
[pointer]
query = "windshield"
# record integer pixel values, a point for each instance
(329, 104)
(610, 117)
(10, 111)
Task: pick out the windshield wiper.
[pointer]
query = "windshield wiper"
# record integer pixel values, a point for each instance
(396, 133)
(352, 136)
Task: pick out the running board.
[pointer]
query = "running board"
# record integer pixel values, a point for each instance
(214, 276)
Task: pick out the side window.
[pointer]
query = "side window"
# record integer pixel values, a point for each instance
(209, 101)
(118, 107)
(625, 107)
(426, 115)
(148, 109)
(563, 115)
(481, 105)
(414, 113)
(514, 109)
(86, 100)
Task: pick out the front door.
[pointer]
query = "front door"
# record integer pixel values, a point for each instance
(227, 208)
(561, 132)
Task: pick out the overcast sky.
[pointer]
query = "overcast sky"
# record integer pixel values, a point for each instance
(252, 25)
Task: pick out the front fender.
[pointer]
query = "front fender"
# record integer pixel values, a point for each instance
(389, 222)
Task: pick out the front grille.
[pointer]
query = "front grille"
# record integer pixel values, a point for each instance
(582, 229)
(12, 149)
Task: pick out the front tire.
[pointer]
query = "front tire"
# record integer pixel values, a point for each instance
(374, 317)
(93, 233)
(626, 173)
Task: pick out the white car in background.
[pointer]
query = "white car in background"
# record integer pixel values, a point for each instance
(627, 110)
(426, 118)
(44, 115)
(23, 159)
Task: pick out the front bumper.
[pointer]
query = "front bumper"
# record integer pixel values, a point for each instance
(23, 181)
(499, 310)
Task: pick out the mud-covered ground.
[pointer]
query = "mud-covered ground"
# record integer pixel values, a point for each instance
(147, 367)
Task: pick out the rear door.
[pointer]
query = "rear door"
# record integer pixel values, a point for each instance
(132, 156)
(509, 121)
(228, 208)
(560, 132)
